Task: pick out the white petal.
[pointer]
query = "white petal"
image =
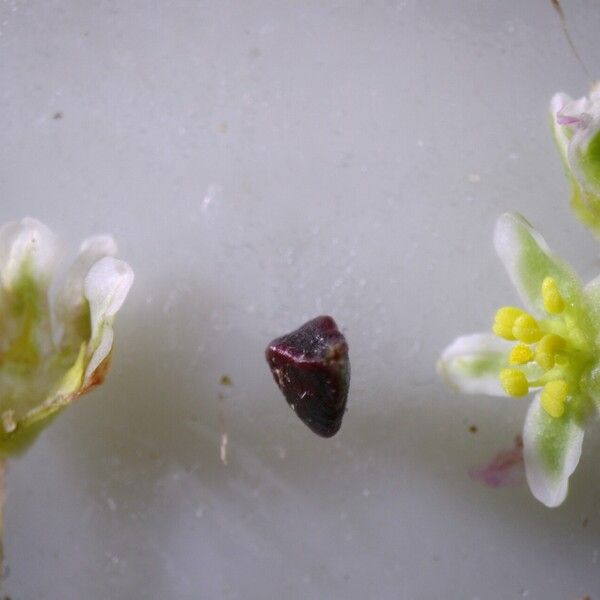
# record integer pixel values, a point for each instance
(28, 244)
(101, 245)
(471, 364)
(71, 296)
(551, 449)
(106, 286)
(528, 260)
(558, 102)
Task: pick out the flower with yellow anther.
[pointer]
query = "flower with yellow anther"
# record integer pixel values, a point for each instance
(559, 357)
(550, 346)
(576, 126)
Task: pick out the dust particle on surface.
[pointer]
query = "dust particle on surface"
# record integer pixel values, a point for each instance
(223, 127)
(585, 522)
(223, 448)
(473, 428)
(226, 380)
(57, 115)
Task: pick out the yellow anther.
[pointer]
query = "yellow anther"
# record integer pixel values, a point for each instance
(545, 352)
(526, 329)
(553, 301)
(514, 382)
(504, 320)
(520, 355)
(554, 396)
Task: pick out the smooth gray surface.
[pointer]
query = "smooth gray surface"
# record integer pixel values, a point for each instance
(261, 163)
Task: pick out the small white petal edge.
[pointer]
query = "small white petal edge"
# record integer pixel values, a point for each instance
(471, 363)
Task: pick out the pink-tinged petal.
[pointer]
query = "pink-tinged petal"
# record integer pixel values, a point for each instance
(507, 468)
(573, 111)
(568, 112)
(566, 119)
(558, 103)
(560, 131)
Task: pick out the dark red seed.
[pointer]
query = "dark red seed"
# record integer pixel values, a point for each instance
(311, 367)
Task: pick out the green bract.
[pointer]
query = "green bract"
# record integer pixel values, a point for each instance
(553, 348)
(576, 125)
(50, 354)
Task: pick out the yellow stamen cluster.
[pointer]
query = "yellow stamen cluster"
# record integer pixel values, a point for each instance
(538, 342)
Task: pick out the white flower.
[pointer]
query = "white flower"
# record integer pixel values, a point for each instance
(51, 355)
(553, 349)
(576, 126)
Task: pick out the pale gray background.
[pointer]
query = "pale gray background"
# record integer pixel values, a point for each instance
(261, 163)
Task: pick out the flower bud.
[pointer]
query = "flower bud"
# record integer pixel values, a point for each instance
(576, 125)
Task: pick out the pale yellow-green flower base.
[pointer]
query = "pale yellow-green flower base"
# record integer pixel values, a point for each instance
(36, 381)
